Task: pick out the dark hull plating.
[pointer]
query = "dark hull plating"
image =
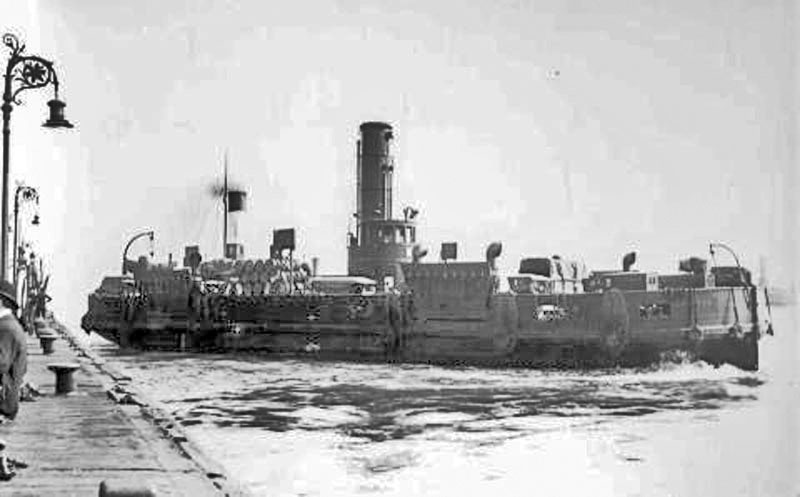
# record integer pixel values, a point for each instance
(717, 325)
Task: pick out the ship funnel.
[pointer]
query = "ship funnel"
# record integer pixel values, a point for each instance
(379, 241)
(375, 171)
(628, 261)
(493, 251)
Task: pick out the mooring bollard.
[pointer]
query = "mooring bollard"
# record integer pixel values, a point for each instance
(65, 383)
(44, 330)
(39, 324)
(125, 489)
(47, 341)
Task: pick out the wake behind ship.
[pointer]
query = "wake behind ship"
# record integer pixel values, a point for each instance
(393, 306)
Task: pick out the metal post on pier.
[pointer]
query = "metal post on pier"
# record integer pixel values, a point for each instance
(23, 72)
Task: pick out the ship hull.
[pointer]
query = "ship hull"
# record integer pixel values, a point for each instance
(714, 325)
(717, 348)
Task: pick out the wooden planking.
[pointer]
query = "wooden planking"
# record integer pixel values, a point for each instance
(74, 442)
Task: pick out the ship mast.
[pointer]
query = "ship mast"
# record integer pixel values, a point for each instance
(225, 208)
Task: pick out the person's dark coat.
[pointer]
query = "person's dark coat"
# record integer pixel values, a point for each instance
(13, 362)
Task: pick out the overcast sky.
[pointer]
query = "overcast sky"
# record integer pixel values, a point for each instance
(573, 127)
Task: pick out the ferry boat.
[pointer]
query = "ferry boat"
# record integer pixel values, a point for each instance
(394, 306)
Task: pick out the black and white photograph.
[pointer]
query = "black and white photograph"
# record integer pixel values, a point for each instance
(400, 248)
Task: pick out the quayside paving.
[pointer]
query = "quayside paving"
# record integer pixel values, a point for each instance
(104, 430)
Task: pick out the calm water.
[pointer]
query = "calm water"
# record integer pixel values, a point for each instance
(306, 428)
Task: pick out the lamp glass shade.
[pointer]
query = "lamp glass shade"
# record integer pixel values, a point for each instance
(57, 119)
(236, 200)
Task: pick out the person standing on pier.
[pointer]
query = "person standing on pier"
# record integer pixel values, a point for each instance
(13, 352)
(13, 366)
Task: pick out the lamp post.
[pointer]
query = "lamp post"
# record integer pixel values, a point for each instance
(23, 72)
(711, 247)
(128, 246)
(28, 194)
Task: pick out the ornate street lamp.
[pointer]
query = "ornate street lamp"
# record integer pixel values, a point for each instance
(28, 194)
(23, 72)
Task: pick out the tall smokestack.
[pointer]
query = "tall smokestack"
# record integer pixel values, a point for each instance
(375, 170)
(382, 242)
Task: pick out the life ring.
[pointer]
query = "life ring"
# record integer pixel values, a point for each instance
(614, 323)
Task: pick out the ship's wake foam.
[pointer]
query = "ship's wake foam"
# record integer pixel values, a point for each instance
(382, 402)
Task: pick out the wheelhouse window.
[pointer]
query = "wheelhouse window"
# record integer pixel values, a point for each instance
(386, 234)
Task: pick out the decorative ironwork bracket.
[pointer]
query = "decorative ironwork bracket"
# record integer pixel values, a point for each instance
(27, 71)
